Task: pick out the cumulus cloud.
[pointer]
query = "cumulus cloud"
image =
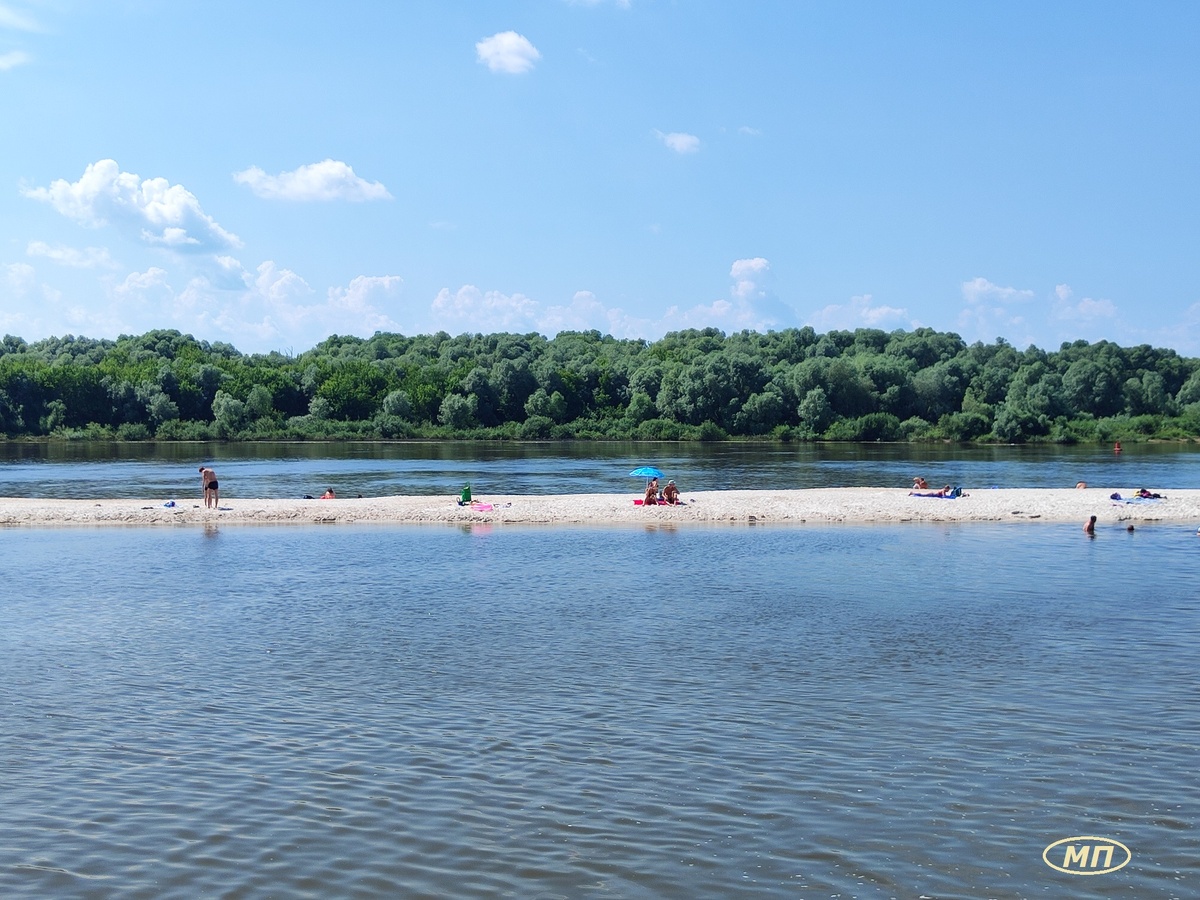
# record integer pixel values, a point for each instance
(980, 291)
(276, 306)
(87, 258)
(754, 301)
(746, 274)
(507, 52)
(861, 312)
(751, 305)
(12, 59)
(164, 214)
(679, 141)
(268, 306)
(992, 311)
(329, 179)
(1086, 309)
(485, 310)
(139, 282)
(143, 300)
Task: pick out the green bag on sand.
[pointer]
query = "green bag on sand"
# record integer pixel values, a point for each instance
(465, 496)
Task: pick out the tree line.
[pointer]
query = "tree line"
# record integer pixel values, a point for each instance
(698, 384)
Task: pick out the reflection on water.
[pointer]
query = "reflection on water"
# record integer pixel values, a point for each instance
(377, 469)
(431, 712)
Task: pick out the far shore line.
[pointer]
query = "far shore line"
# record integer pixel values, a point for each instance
(759, 507)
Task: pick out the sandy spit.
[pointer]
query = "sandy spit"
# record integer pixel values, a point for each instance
(835, 505)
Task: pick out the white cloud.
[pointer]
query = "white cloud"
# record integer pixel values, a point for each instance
(993, 311)
(164, 214)
(747, 130)
(144, 300)
(274, 309)
(329, 179)
(19, 278)
(1086, 309)
(278, 287)
(752, 306)
(507, 52)
(860, 312)
(140, 282)
(12, 59)
(982, 291)
(13, 20)
(746, 274)
(358, 302)
(17, 21)
(679, 141)
(87, 258)
(485, 311)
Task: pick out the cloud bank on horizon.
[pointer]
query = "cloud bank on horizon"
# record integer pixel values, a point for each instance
(600, 165)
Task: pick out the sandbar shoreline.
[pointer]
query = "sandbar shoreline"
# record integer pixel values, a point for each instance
(762, 507)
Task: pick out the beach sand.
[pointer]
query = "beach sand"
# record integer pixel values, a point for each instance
(835, 505)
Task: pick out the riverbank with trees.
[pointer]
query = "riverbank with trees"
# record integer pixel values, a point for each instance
(789, 385)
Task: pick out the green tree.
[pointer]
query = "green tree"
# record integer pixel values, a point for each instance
(457, 412)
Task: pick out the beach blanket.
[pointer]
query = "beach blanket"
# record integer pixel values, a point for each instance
(1118, 500)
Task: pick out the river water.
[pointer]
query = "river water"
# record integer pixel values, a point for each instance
(419, 712)
(280, 470)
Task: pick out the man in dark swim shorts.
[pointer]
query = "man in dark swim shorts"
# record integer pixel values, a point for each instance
(208, 478)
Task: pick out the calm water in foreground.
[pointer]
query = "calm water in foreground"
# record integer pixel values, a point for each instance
(809, 712)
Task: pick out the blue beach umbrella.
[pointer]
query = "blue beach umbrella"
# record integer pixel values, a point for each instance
(646, 472)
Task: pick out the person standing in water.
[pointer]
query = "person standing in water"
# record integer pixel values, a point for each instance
(208, 478)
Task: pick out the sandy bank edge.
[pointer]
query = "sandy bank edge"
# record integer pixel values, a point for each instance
(845, 505)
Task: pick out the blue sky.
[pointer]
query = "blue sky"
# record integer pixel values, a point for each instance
(269, 174)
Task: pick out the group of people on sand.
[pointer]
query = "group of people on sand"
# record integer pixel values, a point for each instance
(668, 496)
(212, 489)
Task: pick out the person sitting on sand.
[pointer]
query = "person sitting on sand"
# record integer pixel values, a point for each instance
(920, 484)
(651, 498)
(1146, 495)
(329, 494)
(670, 494)
(212, 495)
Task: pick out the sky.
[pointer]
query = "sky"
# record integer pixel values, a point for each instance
(268, 174)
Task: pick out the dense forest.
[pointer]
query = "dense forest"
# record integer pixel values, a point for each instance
(795, 384)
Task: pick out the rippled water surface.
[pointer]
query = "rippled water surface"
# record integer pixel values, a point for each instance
(803, 712)
(267, 469)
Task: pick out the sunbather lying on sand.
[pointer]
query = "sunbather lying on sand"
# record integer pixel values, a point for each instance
(944, 492)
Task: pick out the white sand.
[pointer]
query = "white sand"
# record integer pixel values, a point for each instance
(848, 505)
